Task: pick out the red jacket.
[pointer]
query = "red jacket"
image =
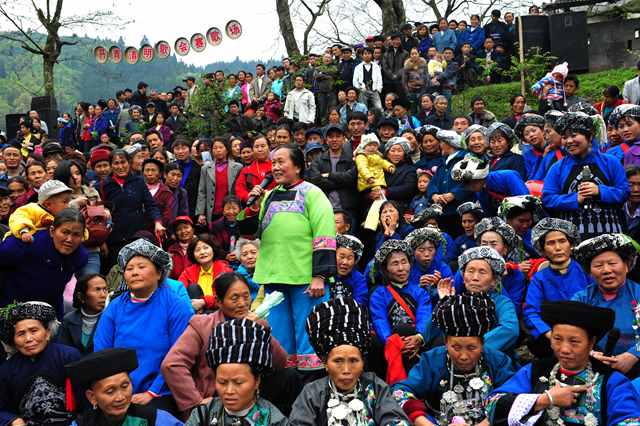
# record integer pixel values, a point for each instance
(190, 277)
(180, 261)
(251, 176)
(165, 202)
(599, 106)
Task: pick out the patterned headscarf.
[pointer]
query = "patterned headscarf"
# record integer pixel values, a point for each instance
(486, 253)
(473, 129)
(528, 119)
(522, 202)
(506, 131)
(240, 341)
(624, 110)
(398, 140)
(470, 168)
(498, 226)
(350, 242)
(583, 107)
(450, 138)
(472, 207)
(466, 315)
(13, 314)
(389, 247)
(434, 211)
(419, 236)
(338, 322)
(576, 122)
(428, 130)
(144, 248)
(552, 116)
(619, 243)
(548, 224)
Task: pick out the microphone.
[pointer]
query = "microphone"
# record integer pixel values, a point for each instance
(612, 338)
(265, 182)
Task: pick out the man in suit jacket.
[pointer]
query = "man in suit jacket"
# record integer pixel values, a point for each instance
(260, 86)
(392, 64)
(181, 148)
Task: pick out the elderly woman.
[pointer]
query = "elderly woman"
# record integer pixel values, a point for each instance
(501, 139)
(104, 378)
(217, 180)
(560, 280)
(32, 381)
(586, 187)
(400, 310)
(148, 318)
(89, 300)
(555, 151)
(185, 368)
(347, 396)
(401, 185)
(452, 380)
(431, 216)
(239, 351)
(495, 233)
(572, 387)
(349, 282)
(40, 270)
(476, 140)
(482, 269)
(443, 189)
(428, 268)
(392, 224)
(297, 244)
(530, 131)
(609, 258)
(247, 253)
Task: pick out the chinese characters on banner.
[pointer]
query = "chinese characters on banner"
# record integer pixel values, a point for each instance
(115, 54)
(146, 53)
(214, 36)
(131, 55)
(101, 54)
(182, 46)
(233, 29)
(162, 49)
(198, 42)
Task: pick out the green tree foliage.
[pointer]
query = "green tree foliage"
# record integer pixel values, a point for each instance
(205, 117)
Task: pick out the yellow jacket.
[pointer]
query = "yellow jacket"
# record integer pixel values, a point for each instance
(31, 217)
(372, 165)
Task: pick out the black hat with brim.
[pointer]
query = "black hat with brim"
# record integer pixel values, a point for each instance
(100, 365)
(594, 320)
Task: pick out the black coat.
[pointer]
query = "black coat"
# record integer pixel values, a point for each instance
(132, 207)
(139, 99)
(445, 123)
(191, 185)
(402, 185)
(70, 332)
(343, 180)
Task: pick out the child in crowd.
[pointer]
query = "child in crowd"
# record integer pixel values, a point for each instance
(420, 201)
(53, 197)
(550, 89)
(273, 107)
(183, 232)
(225, 230)
(436, 65)
(470, 214)
(371, 165)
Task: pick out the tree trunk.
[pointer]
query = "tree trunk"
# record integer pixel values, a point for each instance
(393, 15)
(286, 28)
(47, 75)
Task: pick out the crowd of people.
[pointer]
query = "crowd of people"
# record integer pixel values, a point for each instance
(348, 253)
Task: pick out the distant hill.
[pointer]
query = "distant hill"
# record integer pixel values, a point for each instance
(79, 77)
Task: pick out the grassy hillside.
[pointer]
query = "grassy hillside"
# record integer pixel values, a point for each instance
(497, 96)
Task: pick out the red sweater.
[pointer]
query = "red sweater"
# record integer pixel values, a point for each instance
(190, 276)
(251, 176)
(222, 188)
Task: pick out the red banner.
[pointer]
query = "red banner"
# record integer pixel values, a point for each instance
(233, 29)
(182, 46)
(101, 54)
(115, 54)
(214, 36)
(163, 49)
(146, 53)
(131, 55)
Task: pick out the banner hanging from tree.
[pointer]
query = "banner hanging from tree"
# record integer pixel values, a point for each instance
(162, 49)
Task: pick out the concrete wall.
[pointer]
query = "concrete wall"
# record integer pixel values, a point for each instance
(609, 42)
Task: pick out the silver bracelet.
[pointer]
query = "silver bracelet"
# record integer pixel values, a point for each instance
(550, 397)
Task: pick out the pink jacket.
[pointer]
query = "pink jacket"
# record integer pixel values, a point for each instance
(185, 367)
